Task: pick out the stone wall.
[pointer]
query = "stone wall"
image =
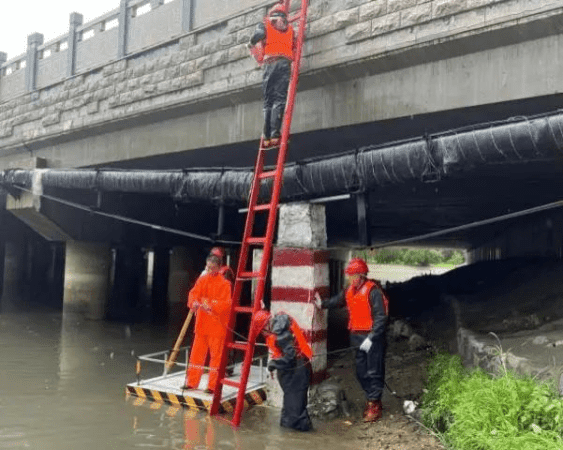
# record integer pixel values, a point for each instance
(212, 62)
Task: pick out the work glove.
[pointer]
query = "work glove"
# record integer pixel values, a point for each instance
(366, 345)
(318, 301)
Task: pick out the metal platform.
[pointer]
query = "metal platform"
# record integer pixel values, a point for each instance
(167, 388)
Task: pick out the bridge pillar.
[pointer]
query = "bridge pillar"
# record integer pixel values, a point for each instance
(125, 280)
(15, 253)
(299, 269)
(186, 264)
(155, 284)
(86, 281)
(33, 42)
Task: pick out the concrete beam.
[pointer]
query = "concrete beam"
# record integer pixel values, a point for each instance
(27, 207)
(492, 76)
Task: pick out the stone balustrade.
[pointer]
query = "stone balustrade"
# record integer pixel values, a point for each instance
(92, 76)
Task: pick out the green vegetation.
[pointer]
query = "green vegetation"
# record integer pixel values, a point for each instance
(410, 256)
(470, 410)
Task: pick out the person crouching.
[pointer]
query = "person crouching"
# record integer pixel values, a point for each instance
(290, 357)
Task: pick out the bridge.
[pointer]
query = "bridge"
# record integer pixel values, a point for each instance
(125, 143)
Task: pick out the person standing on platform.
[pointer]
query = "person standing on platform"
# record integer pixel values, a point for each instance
(368, 309)
(211, 299)
(276, 38)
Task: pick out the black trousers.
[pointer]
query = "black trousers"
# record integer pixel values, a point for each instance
(274, 86)
(370, 366)
(295, 385)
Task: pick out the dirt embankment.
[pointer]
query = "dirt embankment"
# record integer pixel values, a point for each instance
(499, 296)
(395, 431)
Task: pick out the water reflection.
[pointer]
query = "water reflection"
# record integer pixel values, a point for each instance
(62, 386)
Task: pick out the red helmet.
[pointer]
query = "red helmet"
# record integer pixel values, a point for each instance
(277, 9)
(218, 252)
(261, 319)
(357, 266)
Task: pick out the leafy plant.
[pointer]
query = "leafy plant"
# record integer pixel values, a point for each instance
(471, 410)
(421, 257)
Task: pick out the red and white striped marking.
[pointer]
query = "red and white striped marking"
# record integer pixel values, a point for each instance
(297, 274)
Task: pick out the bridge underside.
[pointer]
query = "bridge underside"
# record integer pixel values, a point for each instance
(401, 209)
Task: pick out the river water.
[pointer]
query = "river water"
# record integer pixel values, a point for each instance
(62, 386)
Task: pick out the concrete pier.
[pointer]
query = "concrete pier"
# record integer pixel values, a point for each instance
(87, 271)
(299, 269)
(186, 264)
(14, 270)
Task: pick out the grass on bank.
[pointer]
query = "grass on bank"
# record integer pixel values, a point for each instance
(470, 410)
(412, 256)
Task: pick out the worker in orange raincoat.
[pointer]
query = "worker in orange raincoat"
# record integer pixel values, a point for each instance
(368, 308)
(290, 356)
(211, 299)
(229, 275)
(277, 39)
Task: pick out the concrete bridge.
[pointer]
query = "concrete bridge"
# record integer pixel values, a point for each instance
(159, 85)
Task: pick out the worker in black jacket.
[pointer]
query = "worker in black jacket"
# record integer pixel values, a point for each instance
(368, 308)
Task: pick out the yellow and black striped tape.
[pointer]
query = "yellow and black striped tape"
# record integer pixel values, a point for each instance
(255, 397)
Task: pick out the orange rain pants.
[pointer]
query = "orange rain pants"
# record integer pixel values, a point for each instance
(210, 330)
(204, 343)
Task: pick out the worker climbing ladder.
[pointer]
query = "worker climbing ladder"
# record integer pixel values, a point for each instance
(245, 273)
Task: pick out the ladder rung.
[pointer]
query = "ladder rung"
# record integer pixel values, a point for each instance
(231, 383)
(268, 174)
(244, 309)
(247, 275)
(256, 240)
(264, 207)
(238, 345)
(294, 17)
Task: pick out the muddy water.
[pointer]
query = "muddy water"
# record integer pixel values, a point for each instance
(62, 386)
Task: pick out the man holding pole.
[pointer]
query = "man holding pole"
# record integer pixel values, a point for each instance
(210, 298)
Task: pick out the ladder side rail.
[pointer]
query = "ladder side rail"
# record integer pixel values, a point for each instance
(294, 80)
(286, 126)
(276, 191)
(249, 224)
(241, 267)
(272, 217)
(288, 116)
(245, 372)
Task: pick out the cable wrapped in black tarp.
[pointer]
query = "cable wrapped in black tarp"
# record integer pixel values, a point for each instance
(515, 140)
(518, 140)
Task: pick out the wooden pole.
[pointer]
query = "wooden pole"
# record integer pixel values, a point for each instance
(179, 341)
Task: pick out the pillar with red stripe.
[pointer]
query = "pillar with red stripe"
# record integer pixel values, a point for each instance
(299, 269)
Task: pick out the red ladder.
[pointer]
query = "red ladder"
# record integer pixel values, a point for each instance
(244, 274)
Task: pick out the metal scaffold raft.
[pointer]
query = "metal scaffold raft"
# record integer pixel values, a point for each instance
(167, 388)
